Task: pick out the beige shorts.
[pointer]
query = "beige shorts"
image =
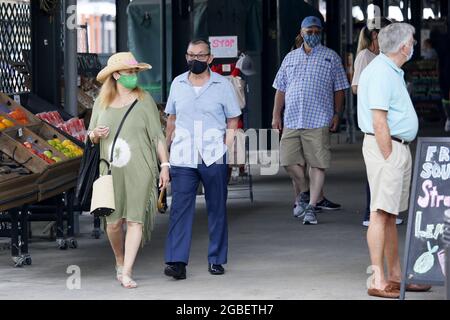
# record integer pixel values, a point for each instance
(389, 179)
(306, 146)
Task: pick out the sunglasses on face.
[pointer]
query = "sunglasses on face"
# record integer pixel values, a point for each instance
(200, 56)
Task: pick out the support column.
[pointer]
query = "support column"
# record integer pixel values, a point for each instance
(46, 53)
(445, 9)
(163, 51)
(70, 58)
(416, 21)
(405, 10)
(122, 25)
(333, 27)
(348, 63)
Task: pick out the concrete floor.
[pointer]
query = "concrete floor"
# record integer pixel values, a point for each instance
(271, 254)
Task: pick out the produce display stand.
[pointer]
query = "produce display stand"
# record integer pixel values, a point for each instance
(423, 78)
(39, 167)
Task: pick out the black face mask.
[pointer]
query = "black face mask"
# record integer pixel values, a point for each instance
(197, 67)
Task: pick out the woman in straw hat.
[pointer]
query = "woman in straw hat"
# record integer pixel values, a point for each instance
(135, 162)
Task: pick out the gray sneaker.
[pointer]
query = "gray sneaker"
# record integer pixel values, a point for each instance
(299, 209)
(310, 216)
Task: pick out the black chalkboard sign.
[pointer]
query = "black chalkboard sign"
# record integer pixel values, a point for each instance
(88, 65)
(430, 198)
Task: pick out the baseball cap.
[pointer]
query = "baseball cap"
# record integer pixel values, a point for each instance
(246, 65)
(311, 21)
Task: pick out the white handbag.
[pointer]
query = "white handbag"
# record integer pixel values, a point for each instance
(103, 200)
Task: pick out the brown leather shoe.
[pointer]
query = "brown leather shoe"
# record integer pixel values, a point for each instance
(411, 287)
(389, 292)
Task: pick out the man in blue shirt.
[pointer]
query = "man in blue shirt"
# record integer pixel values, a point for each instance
(387, 116)
(203, 115)
(310, 87)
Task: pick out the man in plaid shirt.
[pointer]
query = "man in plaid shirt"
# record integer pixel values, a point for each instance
(310, 87)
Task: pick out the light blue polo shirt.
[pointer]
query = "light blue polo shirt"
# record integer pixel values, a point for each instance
(382, 86)
(201, 121)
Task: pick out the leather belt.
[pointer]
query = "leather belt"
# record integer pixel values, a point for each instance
(394, 139)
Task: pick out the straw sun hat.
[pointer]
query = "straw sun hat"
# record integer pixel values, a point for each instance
(121, 61)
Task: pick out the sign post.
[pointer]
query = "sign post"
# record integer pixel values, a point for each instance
(224, 47)
(425, 249)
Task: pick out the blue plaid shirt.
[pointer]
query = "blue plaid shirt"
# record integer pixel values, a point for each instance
(309, 82)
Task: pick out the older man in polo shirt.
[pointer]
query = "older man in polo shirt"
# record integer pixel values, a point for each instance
(203, 116)
(387, 116)
(310, 87)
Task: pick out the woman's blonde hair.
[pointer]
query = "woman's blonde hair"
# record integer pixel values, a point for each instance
(363, 41)
(365, 36)
(108, 92)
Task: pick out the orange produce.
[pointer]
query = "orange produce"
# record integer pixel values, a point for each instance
(19, 115)
(2, 126)
(8, 123)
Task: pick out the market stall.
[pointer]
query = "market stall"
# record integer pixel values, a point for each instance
(39, 166)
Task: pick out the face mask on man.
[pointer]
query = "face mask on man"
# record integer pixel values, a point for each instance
(197, 67)
(128, 81)
(312, 40)
(411, 53)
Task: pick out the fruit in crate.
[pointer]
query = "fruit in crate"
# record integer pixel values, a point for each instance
(28, 145)
(8, 123)
(5, 123)
(19, 116)
(48, 154)
(67, 147)
(71, 150)
(45, 158)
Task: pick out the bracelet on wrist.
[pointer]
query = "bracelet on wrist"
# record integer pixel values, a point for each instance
(165, 164)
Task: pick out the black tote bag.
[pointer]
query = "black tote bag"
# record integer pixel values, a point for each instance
(89, 172)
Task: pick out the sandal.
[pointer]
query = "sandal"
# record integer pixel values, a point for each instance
(128, 283)
(119, 273)
(389, 292)
(411, 287)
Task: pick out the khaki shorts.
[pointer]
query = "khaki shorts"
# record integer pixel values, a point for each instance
(389, 179)
(306, 146)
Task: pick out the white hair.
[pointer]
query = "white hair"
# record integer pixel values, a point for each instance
(395, 35)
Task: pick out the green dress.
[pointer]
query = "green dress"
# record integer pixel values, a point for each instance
(135, 163)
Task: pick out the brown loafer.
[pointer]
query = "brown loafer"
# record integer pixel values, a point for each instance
(411, 287)
(389, 292)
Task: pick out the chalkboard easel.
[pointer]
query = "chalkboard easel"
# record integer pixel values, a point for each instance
(426, 240)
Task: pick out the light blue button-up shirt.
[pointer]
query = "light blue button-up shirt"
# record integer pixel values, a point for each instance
(382, 86)
(201, 120)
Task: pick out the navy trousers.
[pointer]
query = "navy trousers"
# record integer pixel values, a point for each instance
(184, 185)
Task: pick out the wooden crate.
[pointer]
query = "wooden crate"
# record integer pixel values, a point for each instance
(16, 151)
(12, 105)
(4, 115)
(48, 132)
(48, 171)
(47, 180)
(16, 189)
(52, 187)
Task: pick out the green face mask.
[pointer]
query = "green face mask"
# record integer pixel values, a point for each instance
(128, 81)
